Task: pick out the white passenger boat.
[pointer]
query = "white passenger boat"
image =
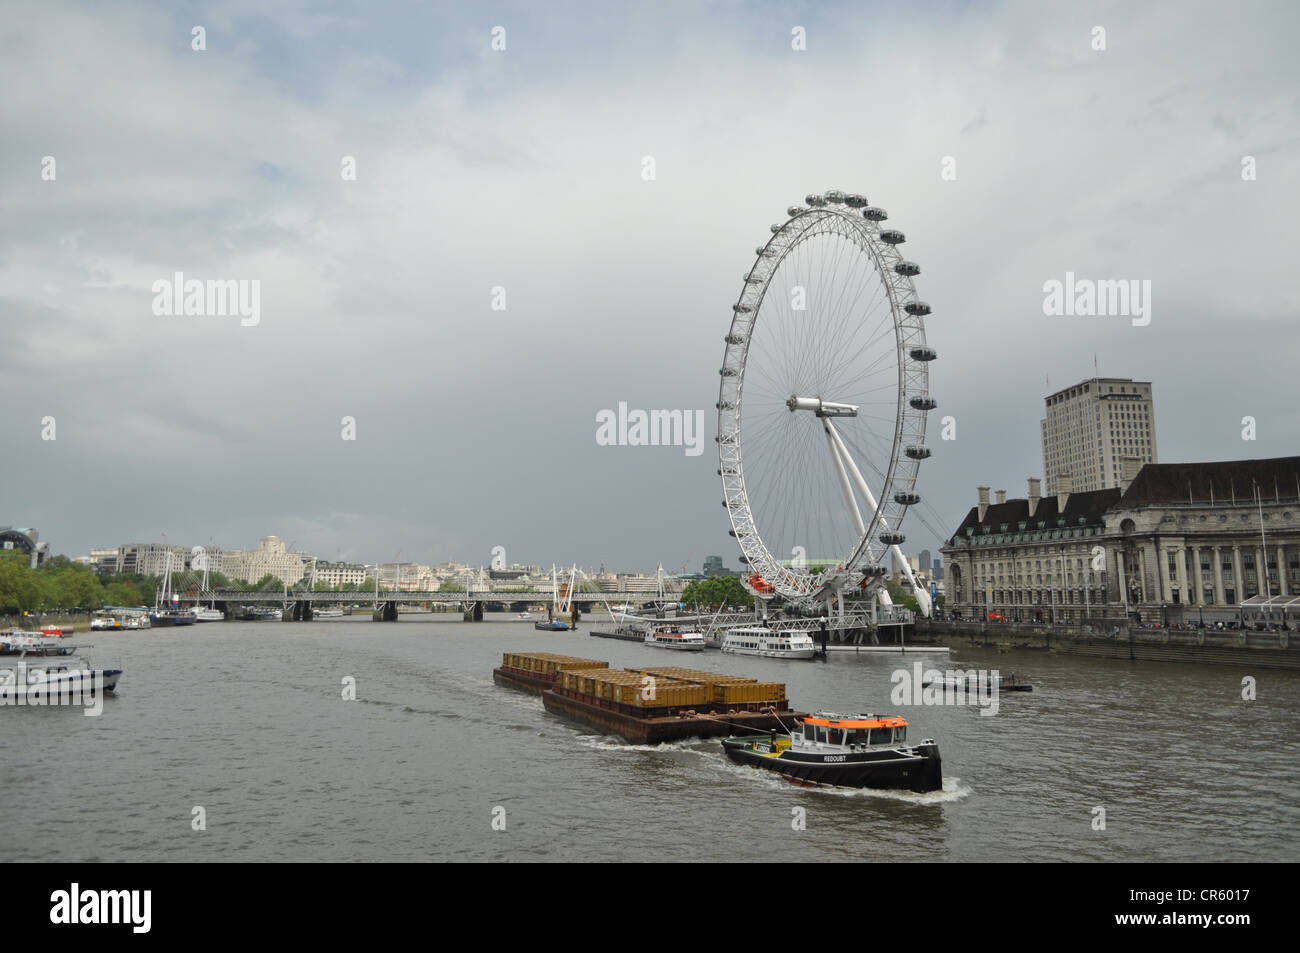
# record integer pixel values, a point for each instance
(16, 642)
(769, 644)
(333, 612)
(681, 641)
(208, 614)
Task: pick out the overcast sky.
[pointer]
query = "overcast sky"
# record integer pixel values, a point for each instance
(522, 168)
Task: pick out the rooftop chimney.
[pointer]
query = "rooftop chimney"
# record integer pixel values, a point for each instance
(1128, 471)
(1035, 494)
(984, 502)
(1002, 496)
(1063, 487)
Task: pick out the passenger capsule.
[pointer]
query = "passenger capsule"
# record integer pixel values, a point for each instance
(917, 309)
(741, 308)
(833, 195)
(923, 353)
(908, 269)
(916, 452)
(728, 372)
(816, 201)
(907, 499)
(892, 236)
(893, 539)
(735, 339)
(923, 403)
(875, 214)
(855, 201)
(875, 571)
(794, 210)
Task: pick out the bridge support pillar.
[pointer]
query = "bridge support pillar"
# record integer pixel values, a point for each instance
(474, 612)
(385, 612)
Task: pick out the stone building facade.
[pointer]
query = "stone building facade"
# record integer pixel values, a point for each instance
(1181, 542)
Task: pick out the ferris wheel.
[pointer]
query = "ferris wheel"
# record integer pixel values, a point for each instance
(823, 402)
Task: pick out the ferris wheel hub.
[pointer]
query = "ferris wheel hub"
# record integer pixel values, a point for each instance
(822, 408)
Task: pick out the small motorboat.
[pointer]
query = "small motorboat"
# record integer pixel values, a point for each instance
(43, 680)
(524, 615)
(973, 681)
(852, 751)
(553, 625)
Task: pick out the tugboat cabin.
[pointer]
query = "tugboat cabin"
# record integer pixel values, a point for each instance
(850, 732)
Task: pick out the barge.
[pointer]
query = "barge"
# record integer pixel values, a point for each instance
(649, 705)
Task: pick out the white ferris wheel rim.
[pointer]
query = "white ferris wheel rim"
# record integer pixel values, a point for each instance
(847, 217)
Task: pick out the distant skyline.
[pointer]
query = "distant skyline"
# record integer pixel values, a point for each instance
(488, 178)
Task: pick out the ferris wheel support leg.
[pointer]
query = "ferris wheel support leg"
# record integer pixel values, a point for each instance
(922, 597)
(843, 454)
(832, 441)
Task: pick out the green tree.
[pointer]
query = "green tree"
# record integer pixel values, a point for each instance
(717, 591)
(450, 586)
(122, 594)
(20, 586)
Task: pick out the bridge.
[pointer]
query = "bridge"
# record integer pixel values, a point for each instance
(298, 603)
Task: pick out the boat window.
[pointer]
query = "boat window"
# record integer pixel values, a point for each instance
(858, 736)
(882, 736)
(900, 734)
(821, 734)
(837, 736)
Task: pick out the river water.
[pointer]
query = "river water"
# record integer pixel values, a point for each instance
(248, 722)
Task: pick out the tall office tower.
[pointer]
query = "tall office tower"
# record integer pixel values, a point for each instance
(1100, 432)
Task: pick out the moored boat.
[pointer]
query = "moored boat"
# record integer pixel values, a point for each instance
(208, 614)
(163, 618)
(855, 751)
(553, 625)
(16, 642)
(680, 641)
(769, 644)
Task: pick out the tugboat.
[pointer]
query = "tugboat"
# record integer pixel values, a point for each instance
(852, 751)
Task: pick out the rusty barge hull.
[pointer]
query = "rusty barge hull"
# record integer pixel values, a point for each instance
(518, 678)
(645, 729)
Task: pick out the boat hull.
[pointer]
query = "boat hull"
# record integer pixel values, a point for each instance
(771, 653)
(917, 768)
(164, 621)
